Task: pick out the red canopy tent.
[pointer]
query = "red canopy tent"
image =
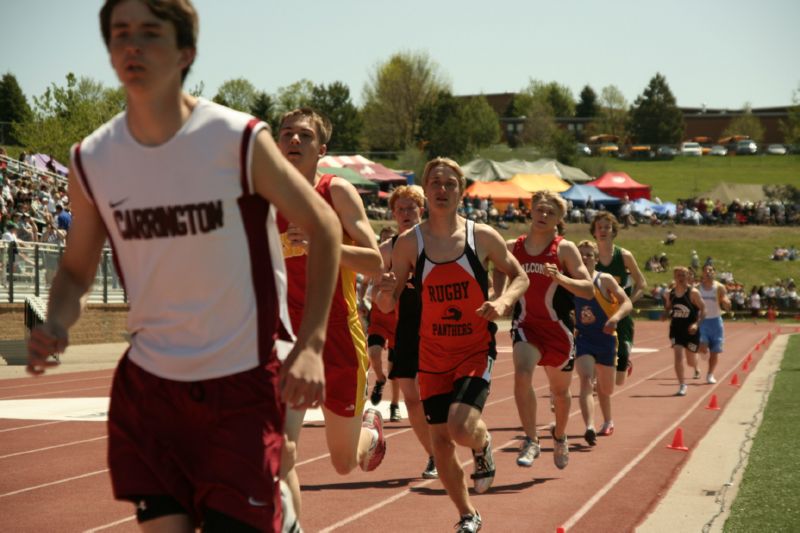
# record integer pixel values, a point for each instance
(618, 184)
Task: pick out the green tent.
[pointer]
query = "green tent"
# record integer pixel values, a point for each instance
(359, 182)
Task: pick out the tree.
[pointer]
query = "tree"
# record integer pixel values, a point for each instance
(655, 117)
(64, 115)
(558, 98)
(264, 108)
(453, 126)
(612, 114)
(14, 107)
(746, 124)
(394, 95)
(334, 102)
(587, 106)
(297, 94)
(237, 93)
(791, 126)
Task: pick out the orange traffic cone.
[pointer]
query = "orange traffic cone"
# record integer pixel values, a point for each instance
(735, 380)
(750, 357)
(745, 365)
(677, 441)
(561, 529)
(713, 405)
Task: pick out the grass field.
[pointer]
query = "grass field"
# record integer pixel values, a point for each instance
(768, 499)
(743, 250)
(682, 177)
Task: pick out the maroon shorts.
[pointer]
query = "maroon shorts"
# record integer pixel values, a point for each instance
(212, 444)
(553, 340)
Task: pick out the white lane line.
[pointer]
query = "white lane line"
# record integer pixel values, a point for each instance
(37, 450)
(52, 483)
(110, 525)
(32, 426)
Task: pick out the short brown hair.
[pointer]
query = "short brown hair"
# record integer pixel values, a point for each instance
(586, 243)
(604, 215)
(321, 123)
(181, 13)
(445, 162)
(552, 198)
(406, 191)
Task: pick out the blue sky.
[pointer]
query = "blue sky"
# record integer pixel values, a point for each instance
(722, 54)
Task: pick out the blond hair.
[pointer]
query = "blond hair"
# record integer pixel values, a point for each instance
(320, 122)
(431, 165)
(589, 244)
(551, 198)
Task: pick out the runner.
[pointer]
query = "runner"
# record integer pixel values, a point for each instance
(380, 335)
(542, 327)
(712, 332)
(449, 257)
(407, 204)
(352, 440)
(621, 264)
(185, 191)
(684, 305)
(596, 340)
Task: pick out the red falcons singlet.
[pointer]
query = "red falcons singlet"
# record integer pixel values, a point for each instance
(450, 329)
(178, 217)
(345, 351)
(544, 305)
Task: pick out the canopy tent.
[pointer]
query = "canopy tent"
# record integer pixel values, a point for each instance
(488, 170)
(580, 194)
(540, 182)
(619, 184)
(643, 206)
(501, 192)
(378, 173)
(728, 192)
(342, 160)
(667, 208)
(40, 161)
(360, 183)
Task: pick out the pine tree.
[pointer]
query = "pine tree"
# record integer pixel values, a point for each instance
(655, 117)
(587, 106)
(14, 108)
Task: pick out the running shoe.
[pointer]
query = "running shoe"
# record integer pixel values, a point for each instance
(607, 429)
(377, 392)
(469, 523)
(394, 413)
(710, 379)
(681, 390)
(484, 467)
(372, 420)
(630, 368)
(290, 522)
(560, 450)
(529, 451)
(696, 373)
(430, 470)
(590, 436)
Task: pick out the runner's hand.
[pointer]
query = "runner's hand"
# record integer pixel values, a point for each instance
(388, 282)
(492, 310)
(610, 327)
(302, 379)
(297, 236)
(45, 341)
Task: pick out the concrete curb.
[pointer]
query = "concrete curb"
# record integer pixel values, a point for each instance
(702, 495)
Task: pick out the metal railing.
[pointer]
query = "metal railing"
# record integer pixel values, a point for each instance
(28, 269)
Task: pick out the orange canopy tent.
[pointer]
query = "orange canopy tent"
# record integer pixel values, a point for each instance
(502, 193)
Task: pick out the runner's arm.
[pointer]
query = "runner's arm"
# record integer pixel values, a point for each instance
(722, 295)
(612, 288)
(639, 281)
(404, 256)
(72, 281)
(499, 277)
(274, 178)
(496, 250)
(362, 256)
(579, 282)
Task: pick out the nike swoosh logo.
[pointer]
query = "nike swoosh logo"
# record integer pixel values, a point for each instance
(114, 205)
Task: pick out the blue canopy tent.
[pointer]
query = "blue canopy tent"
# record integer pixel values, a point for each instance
(580, 194)
(643, 206)
(667, 208)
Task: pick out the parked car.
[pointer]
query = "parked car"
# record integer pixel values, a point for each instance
(691, 148)
(746, 147)
(583, 149)
(776, 149)
(718, 149)
(666, 151)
